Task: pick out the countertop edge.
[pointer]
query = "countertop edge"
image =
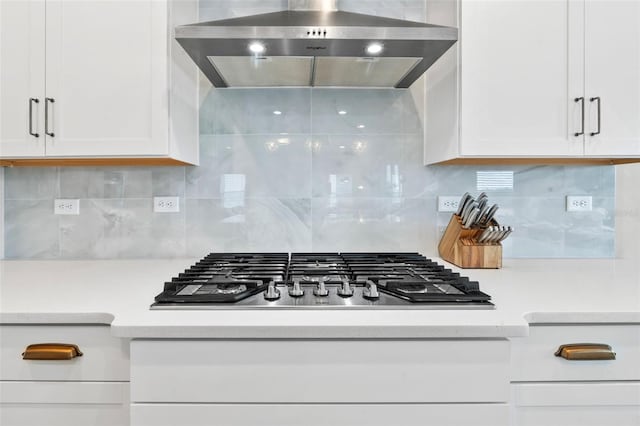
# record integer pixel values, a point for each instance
(322, 332)
(13, 318)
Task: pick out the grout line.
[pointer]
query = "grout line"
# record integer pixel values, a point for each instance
(311, 172)
(184, 215)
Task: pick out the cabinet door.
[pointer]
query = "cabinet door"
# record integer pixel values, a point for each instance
(107, 73)
(319, 414)
(612, 46)
(64, 404)
(575, 404)
(521, 68)
(21, 77)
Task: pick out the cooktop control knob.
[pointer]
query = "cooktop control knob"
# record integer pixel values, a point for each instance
(272, 292)
(345, 290)
(321, 290)
(371, 291)
(296, 290)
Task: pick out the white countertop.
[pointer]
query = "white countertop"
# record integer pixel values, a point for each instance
(119, 292)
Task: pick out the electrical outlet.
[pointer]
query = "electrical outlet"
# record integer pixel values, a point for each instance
(579, 203)
(66, 206)
(166, 204)
(448, 203)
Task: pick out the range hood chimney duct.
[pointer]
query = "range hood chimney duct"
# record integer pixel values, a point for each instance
(319, 5)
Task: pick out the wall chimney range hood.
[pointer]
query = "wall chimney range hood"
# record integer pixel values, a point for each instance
(314, 44)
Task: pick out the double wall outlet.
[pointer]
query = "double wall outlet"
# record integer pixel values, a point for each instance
(448, 203)
(166, 204)
(66, 206)
(579, 203)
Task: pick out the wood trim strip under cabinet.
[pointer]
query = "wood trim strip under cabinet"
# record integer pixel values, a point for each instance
(491, 161)
(79, 162)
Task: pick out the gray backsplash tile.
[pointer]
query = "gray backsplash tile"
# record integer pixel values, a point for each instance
(37, 183)
(372, 224)
(364, 112)
(337, 169)
(254, 165)
(31, 229)
(370, 166)
(136, 231)
(124, 182)
(241, 224)
(256, 111)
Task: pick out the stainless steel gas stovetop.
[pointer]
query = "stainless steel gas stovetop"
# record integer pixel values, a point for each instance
(320, 281)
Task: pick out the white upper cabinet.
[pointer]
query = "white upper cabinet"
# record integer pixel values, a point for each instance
(107, 75)
(612, 46)
(22, 26)
(104, 72)
(518, 63)
(520, 81)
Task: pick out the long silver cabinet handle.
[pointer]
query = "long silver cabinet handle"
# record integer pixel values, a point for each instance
(597, 98)
(581, 132)
(46, 116)
(31, 102)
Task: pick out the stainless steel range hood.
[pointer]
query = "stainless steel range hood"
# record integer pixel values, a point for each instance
(314, 44)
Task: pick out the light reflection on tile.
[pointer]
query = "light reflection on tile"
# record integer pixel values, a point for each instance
(368, 112)
(264, 224)
(281, 172)
(250, 111)
(372, 224)
(371, 166)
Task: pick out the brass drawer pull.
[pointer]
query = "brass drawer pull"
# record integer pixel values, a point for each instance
(51, 351)
(585, 352)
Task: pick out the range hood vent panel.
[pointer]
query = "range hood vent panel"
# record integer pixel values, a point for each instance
(408, 49)
(365, 72)
(249, 71)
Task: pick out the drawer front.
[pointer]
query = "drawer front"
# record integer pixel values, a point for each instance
(319, 371)
(319, 415)
(105, 358)
(533, 359)
(64, 404)
(579, 404)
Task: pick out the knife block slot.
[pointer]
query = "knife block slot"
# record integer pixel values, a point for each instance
(460, 247)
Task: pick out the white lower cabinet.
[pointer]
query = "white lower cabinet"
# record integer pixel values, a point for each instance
(319, 382)
(319, 415)
(553, 391)
(89, 390)
(575, 404)
(64, 403)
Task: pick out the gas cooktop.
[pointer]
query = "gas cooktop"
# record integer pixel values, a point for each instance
(320, 281)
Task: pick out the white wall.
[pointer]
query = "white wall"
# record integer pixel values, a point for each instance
(628, 211)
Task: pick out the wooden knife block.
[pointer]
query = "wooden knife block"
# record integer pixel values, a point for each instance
(460, 247)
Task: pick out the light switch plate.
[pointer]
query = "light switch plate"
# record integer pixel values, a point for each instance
(66, 206)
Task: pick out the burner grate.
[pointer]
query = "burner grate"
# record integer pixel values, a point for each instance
(344, 279)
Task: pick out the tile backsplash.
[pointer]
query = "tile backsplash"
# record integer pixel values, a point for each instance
(335, 169)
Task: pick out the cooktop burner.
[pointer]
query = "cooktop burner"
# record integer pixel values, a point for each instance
(320, 280)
